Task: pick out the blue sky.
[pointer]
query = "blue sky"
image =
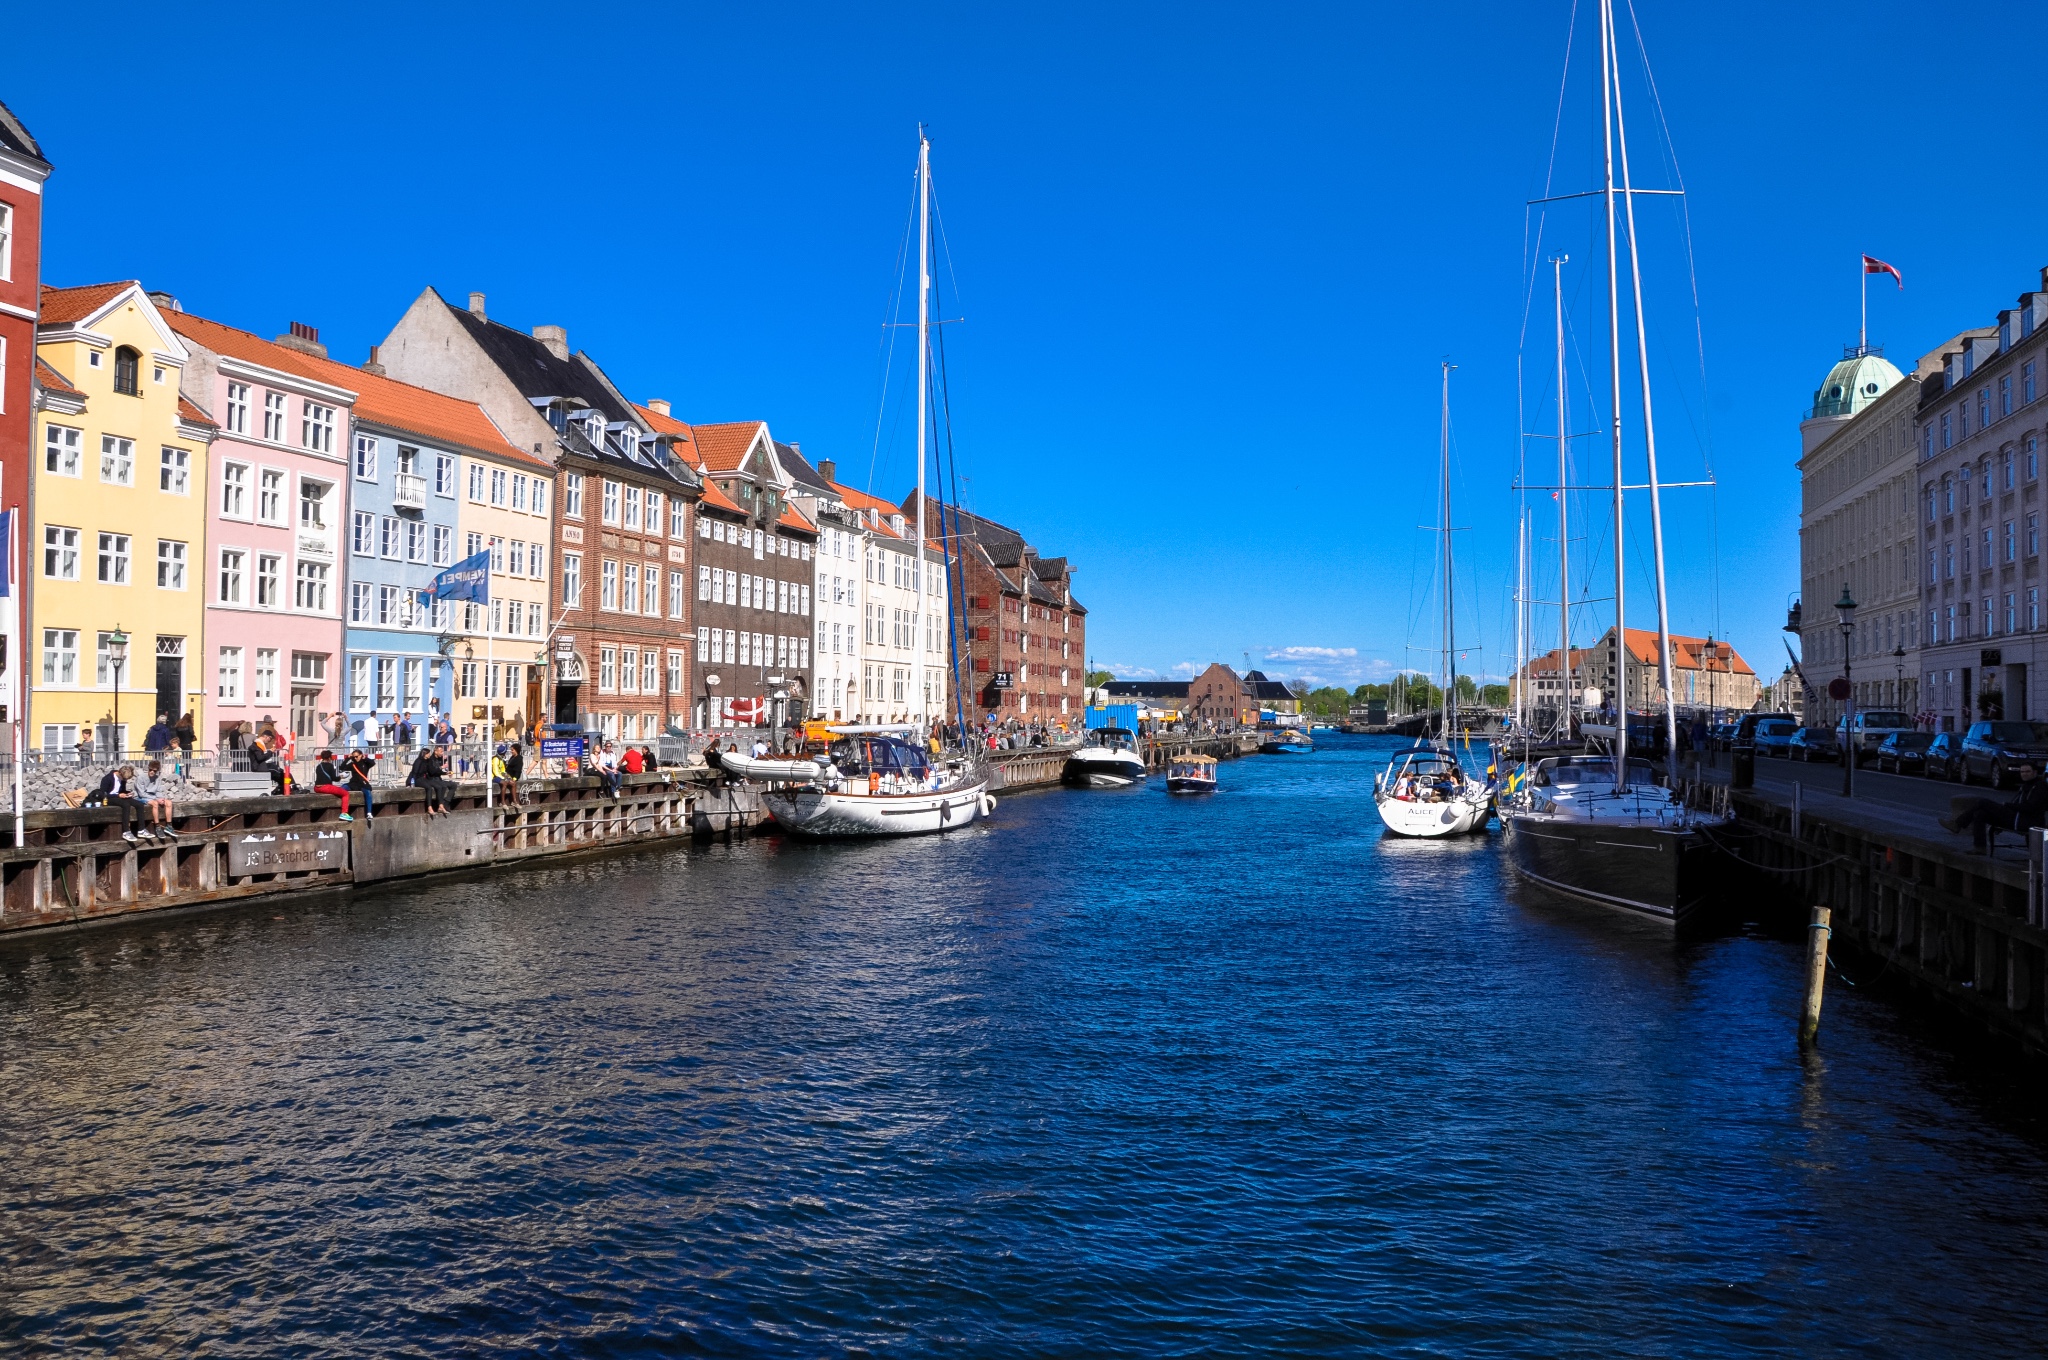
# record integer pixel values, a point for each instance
(1208, 259)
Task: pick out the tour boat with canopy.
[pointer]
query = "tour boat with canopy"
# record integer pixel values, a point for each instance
(1191, 774)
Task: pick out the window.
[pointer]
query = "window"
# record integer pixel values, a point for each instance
(265, 691)
(703, 644)
(231, 675)
(2033, 534)
(231, 563)
(387, 682)
(535, 620)
(363, 534)
(113, 562)
(60, 656)
(444, 475)
(2011, 542)
(678, 591)
(515, 556)
(273, 417)
(678, 519)
(540, 497)
(497, 553)
(238, 408)
(607, 669)
(174, 470)
(703, 583)
(314, 579)
(6, 241)
(630, 593)
(234, 490)
(650, 672)
(387, 605)
(515, 617)
(476, 483)
(519, 481)
(316, 429)
(536, 560)
(653, 520)
(117, 460)
(497, 486)
(611, 501)
(60, 450)
(703, 528)
(2027, 379)
(60, 552)
(415, 541)
(572, 495)
(270, 496)
(389, 536)
(128, 372)
(2005, 395)
(632, 518)
(312, 504)
(651, 600)
(444, 545)
(359, 682)
(608, 594)
(359, 594)
(1948, 434)
(170, 564)
(465, 682)
(629, 670)
(572, 580)
(270, 581)
(366, 457)
(2033, 608)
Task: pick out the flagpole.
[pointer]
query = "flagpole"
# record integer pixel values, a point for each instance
(20, 713)
(491, 664)
(1863, 329)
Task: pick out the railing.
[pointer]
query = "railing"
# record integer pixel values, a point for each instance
(409, 491)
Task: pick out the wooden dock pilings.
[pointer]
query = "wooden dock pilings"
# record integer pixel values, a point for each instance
(1963, 929)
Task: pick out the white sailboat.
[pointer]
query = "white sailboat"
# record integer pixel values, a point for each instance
(1425, 791)
(880, 781)
(1600, 827)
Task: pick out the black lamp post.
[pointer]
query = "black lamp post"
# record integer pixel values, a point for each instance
(1845, 609)
(1899, 686)
(117, 656)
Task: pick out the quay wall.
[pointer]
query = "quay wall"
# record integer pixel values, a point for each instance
(1967, 932)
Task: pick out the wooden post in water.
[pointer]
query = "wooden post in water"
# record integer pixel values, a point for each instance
(1816, 975)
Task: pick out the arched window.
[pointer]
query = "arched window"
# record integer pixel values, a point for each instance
(128, 371)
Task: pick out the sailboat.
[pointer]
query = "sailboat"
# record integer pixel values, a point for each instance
(1424, 791)
(880, 780)
(1599, 827)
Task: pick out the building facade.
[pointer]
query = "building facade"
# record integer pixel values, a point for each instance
(119, 524)
(275, 492)
(1857, 529)
(23, 171)
(754, 594)
(836, 588)
(1218, 697)
(904, 656)
(503, 502)
(1980, 424)
(1706, 675)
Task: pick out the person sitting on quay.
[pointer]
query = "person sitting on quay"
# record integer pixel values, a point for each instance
(155, 792)
(359, 766)
(501, 774)
(117, 790)
(327, 778)
(608, 769)
(429, 774)
(263, 760)
(1980, 816)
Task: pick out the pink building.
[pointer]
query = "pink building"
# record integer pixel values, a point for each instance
(272, 569)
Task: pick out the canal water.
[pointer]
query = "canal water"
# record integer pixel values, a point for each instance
(1117, 1074)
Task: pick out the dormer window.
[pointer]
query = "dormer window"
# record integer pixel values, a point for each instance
(128, 371)
(629, 442)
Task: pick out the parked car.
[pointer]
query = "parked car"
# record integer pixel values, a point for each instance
(1870, 729)
(1721, 736)
(1904, 752)
(1944, 757)
(1813, 743)
(1774, 737)
(1993, 750)
(1745, 726)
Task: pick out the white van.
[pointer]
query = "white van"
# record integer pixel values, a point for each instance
(1872, 727)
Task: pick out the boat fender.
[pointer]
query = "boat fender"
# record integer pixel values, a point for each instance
(988, 805)
(945, 811)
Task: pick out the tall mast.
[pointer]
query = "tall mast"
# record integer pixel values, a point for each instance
(1450, 703)
(1564, 541)
(1635, 271)
(924, 332)
(1614, 399)
(1522, 627)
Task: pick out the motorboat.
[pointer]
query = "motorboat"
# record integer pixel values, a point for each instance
(1108, 759)
(1191, 774)
(1285, 741)
(1425, 792)
(1571, 826)
(876, 782)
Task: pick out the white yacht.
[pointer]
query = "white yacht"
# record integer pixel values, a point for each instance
(876, 783)
(1108, 759)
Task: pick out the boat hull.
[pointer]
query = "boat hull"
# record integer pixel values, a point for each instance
(1664, 873)
(823, 813)
(1406, 817)
(1178, 784)
(1089, 770)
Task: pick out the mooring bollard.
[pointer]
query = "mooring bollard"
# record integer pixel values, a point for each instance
(1816, 974)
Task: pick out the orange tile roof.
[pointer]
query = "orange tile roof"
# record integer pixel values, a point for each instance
(792, 518)
(1642, 646)
(869, 506)
(192, 415)
(68, 306)
(385, 401)
(51, 379)
(662, 424)
(717, 499)
(724, 447)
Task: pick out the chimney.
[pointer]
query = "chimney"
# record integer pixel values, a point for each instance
(166, 303)
(372, 366)
(476, 305)
(305, 339)
(826, 469)
(555, 338)
(658, 405)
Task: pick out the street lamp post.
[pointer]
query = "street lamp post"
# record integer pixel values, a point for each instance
(117, 656)
(1845, 610)
(1899, 685)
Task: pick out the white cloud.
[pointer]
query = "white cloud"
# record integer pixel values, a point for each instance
(1311, 653)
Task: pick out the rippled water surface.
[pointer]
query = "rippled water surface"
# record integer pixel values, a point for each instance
(1119, 1074)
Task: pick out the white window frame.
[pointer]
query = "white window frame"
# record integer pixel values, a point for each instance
(61, 550)
(174, 467)
(230, 584)
(235, 489)
(228, 675)
(117, 456)
(116, 550)
(171, 555)
(63, 450)
(237, 408)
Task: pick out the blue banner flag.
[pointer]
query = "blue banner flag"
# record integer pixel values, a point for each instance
(469, 579)
(6, 553)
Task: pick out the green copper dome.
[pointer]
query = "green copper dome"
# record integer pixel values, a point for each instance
(1853, 384)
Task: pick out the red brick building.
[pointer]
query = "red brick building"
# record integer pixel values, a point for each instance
(1025, 640)
(22, 173)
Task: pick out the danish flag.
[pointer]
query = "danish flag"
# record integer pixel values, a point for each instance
(1875, 266)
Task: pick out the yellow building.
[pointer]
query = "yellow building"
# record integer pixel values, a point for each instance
(504, 507)
(117, 523)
